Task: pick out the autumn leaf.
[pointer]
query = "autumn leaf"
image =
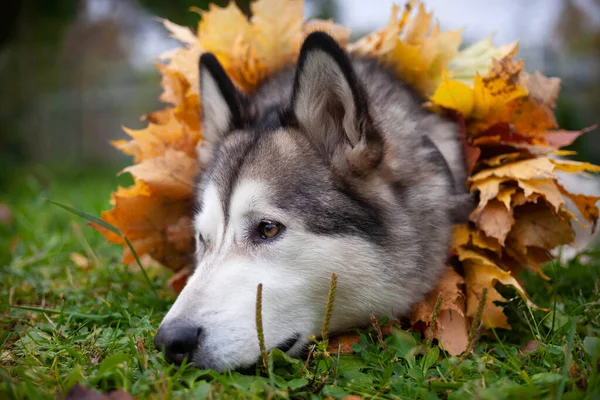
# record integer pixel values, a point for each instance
(480, 276)
(78, 392)
(537, 225)
(171, 174)
(494, 219)
(451, 326)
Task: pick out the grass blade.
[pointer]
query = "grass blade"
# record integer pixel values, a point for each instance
(113, 229)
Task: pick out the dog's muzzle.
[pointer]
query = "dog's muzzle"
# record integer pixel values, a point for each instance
(178, 341)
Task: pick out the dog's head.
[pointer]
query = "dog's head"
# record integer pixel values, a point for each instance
(291, 195)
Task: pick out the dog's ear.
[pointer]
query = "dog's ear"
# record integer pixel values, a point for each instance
(224, 107)
(330, 105)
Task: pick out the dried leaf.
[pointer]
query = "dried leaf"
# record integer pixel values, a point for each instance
(171, 174)
(480, 275)
(449, 285)
(495, 220)
(79, 392)
(451, 331)
(537, 225)
(344, 342)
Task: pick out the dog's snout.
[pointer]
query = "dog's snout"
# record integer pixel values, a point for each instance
(178, 341)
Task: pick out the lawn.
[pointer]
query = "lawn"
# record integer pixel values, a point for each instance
(71, 312)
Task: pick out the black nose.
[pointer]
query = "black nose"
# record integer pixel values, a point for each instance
(178, 341)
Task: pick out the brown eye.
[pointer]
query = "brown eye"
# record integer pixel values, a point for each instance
(269, 230)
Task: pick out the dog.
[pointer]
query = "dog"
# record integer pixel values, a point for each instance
(331, 166)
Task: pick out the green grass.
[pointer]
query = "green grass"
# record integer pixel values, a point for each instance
(62, 324)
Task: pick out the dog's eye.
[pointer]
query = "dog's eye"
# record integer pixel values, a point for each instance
(269, 230)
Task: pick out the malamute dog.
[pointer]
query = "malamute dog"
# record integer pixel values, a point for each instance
(330, 166)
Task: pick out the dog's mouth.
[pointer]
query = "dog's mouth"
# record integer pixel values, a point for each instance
(287, 344)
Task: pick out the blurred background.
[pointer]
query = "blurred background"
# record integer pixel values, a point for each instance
(72, 72)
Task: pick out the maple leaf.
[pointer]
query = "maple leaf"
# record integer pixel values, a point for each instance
(487, 96)
(451, 325)
(482, 272)
(78, 392)
(494, 219)
(171, 174)
(476, 59)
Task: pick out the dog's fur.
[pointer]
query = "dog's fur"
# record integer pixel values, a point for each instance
(364, 181)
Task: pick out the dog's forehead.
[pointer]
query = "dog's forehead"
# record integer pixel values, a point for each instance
(278, 159)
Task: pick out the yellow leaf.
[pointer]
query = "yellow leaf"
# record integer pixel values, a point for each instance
(480, 275)
(220, 28)
(505, 196)
(454, 95)
(382, 42)
(546, 187)
(276, 31)
(154, 140)
(537, 168)
(488, 188)
(502, 159)
(574, 166)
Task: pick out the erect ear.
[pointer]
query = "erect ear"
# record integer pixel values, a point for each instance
(330, 105)
(224, 108)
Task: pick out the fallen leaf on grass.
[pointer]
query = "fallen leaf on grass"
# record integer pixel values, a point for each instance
(343, 342)
(451, 325)
(5, 214)
(79, 392)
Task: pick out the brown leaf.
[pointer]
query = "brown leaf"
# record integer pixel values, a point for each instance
(79, 392)
(449, 286)
(495, 220)
(562, 138)
(536, 225)
(529, 347)
(451, 331)
(5, 215)
(451, 325)
(542, 89)
(345, 340)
